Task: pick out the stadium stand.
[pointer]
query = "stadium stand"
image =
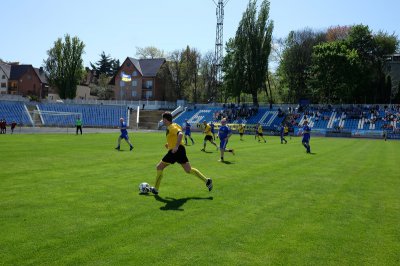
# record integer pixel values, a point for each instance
(15, 111)
(195, 116)
(352, 119)
(269, 119)
(92, 115)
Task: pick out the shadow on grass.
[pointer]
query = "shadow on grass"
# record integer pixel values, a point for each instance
(172, 204)
(226, 162)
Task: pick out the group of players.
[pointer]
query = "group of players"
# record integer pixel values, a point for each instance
(3, 126)
(177, 151)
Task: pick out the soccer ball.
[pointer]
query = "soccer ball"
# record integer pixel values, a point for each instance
(144, 188)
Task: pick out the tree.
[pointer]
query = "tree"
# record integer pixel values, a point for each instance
(388, 89)
(342, 64)
(352, 68)
(115, 66)
(190, 63)
(251, 49)
(337, 33)
(176, 69)
(64, 65)
(385, 44)
(331, 73)
(102, 89)
(371, 50)
(396, 94)
(106, 65)
(149, 52)
(184, 66)
(206, 78)
(296, 61)
(233, 68)
(361, 39)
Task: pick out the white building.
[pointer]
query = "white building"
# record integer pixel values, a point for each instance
(5, 71)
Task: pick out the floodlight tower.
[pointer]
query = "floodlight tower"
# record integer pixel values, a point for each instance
(219, 41)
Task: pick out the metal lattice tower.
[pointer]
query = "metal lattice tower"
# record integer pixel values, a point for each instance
(219, 40)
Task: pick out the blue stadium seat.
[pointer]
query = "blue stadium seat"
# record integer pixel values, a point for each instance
(15, 111)
(92, 115)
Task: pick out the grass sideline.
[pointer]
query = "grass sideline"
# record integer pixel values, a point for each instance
(73, 200)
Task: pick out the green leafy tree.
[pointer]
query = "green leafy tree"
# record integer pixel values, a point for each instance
(64, 65)
(371, 50)
(251, 49)
(234, 70)
(331, 74)
(190, 64)
(385, 44)
(184, 67)
(343, 64)
(106, 65)
(115, 66)
(361, 39)
(294, 67)
(102, 90)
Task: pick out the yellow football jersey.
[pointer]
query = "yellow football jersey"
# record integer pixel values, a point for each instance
(172, 135)
(207, 130)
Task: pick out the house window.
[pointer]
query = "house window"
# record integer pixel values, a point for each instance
(149, 94)
(3, 85)
(134, 73)
(3, 77)
(134, 83)
(149, 84)
(134, 93)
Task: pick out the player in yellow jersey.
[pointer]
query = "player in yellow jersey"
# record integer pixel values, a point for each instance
(208, 137)
(260, 132)
(176, 153)
(241, 131)
(286, 131)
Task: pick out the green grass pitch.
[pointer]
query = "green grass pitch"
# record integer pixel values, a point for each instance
(73, 200)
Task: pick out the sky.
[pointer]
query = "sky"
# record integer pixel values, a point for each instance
(30, 27)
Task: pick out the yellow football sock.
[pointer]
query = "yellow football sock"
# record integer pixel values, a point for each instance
(197, 173)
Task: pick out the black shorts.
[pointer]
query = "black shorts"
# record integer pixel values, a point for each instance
(179, 156)
(208, 137)
(260, 134)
